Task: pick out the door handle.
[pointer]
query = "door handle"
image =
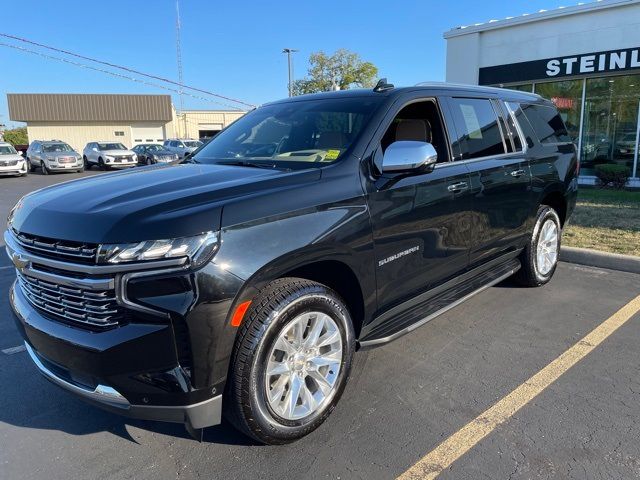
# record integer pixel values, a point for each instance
(458, 187)
(517, 173)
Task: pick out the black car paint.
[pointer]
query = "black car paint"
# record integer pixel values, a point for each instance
(342, 219)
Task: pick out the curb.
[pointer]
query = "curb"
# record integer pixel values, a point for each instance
(596, 258)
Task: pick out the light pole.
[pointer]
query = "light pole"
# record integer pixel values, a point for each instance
(289, 51)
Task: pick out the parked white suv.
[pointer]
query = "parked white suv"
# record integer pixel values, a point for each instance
(11, 163)
(181, 146)
(108, 155)
(53, 156)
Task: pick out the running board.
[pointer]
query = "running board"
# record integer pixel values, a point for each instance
(385, 333)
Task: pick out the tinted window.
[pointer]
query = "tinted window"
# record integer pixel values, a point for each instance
(477, 127)
(547, 123)
(525, 126)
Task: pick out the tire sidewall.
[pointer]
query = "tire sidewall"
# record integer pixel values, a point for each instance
(262, 413)
(545, 213)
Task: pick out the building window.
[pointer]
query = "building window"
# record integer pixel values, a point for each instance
(610, 128)
(567, 97)
(522, 87)
(119, 134)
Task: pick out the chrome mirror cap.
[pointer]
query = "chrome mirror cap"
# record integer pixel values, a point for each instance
(408, 155)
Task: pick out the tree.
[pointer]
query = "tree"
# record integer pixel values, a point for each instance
(342, 70)
(17, 136)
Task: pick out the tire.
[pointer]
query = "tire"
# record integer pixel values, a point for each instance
(536, 270)
(148, 161)
(87, 165)
(80, 170)
(283, 303)
(32, 167)
(101, 164)
(45, 170)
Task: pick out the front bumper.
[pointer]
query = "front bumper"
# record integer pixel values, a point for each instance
(106, 379)
(199, 415)
(14, 170)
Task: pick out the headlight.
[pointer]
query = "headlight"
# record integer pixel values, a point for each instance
(198, 249)
(108, 157)
(13, 211)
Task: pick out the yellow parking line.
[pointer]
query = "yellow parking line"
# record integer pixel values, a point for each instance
(454, 447)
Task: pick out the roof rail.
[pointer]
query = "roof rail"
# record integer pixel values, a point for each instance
(382, 86)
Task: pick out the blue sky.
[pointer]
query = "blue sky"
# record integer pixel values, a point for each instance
(233, 48)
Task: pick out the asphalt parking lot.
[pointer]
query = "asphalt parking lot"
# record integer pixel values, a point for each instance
(404, 399)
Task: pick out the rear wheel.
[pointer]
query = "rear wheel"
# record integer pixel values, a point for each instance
(291, 361)
(540, 256)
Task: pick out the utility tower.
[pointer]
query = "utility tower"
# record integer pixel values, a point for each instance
(179, 59)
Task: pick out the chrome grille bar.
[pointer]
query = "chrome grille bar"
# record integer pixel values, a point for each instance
(96, 308)
(60, 248)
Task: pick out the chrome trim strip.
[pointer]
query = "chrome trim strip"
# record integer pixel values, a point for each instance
(102, 393)
(82, 283)
(419, 323)
(14, 248)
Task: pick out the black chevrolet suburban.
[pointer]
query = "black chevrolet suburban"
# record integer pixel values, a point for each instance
(242, 281)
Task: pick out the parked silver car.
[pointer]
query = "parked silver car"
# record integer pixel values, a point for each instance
(108, 155)
(11, 162)
(53, 156)
(181, 146)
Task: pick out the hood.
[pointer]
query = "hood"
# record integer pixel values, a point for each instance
(163, 201)
(11, 157)
(117, 152)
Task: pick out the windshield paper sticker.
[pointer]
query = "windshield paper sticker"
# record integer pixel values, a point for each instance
(332, 154)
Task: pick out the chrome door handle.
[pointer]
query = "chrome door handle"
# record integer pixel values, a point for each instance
(517, 173)
(458, 187)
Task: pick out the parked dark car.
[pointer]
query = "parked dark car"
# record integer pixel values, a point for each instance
(152, 153)
(243, 281)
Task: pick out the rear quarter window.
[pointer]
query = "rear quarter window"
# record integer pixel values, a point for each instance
(546, 123)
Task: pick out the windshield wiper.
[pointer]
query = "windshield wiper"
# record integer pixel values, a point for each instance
(245, 163)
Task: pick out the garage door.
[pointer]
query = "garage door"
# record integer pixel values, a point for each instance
(147, 134)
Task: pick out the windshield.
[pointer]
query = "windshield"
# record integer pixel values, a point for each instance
(154, 148)
(7, 150)
(111, 146)
(56, 147)
(192, 143)
(299, 134)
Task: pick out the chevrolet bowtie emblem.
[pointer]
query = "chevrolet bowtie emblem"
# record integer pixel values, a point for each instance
(19, 261)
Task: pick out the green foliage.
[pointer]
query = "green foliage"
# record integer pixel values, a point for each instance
(612, 175)
(17, 136)
(343, 69)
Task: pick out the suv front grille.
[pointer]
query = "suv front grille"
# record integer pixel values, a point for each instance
(65, 250)
(97, 308)
(8, 163)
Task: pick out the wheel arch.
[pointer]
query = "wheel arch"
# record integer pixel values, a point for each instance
(556, 200)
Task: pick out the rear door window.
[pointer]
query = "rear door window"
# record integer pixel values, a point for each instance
(546, 123)
(478, 131)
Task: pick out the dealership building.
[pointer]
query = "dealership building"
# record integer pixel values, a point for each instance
(585, 58)
(129, 119)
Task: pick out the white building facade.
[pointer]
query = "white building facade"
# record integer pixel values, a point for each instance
(585, 58)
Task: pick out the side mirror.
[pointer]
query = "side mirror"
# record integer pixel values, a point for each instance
(407, 156)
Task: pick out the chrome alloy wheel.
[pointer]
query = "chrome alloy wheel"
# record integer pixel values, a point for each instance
(547, 249)
(303, 366)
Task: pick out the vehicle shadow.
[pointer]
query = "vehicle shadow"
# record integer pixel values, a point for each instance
(29, 401)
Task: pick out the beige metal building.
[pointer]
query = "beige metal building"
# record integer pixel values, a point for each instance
(204, 123)
(129, 119)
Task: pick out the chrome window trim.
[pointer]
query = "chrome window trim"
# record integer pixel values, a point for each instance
(505, 156)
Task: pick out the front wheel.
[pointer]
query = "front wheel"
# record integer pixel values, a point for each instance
(291, 361)
(540, 256)
(43, 167)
